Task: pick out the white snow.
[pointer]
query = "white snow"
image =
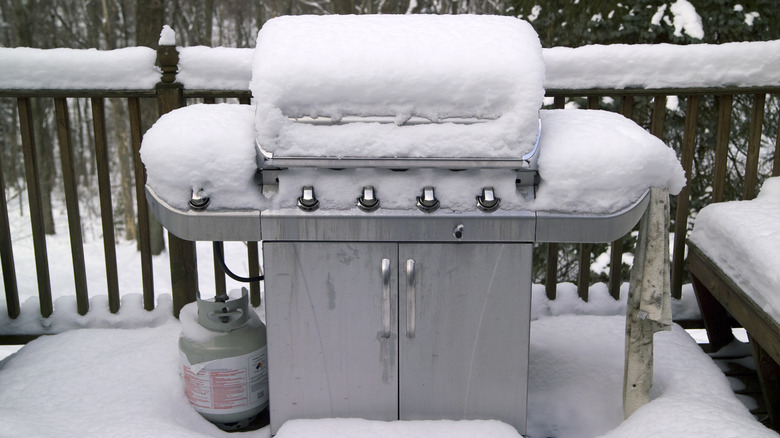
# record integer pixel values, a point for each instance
(209, 147)
(167, 36)
(130, 68)
(589, 162)
(199, 65)
(597, 161)
(686, 19)
(126, 383)
(434, 67)
(663, 65)
(617, 65)
(743, 239)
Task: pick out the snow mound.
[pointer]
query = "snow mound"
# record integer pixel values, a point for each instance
(126, 383)
(599, 162)
(426, 66)
(207, 147)
(742, 238)
(357, 428)
(743, 64)
(130, 68)
(217, 68)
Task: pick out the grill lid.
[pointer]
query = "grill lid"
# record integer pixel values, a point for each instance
(403, 91)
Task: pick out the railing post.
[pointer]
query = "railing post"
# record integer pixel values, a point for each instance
(183, 258)
(684, 197)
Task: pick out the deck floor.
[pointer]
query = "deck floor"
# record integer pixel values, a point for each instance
(739, 368)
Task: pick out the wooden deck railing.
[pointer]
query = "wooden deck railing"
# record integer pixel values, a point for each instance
(647, 107)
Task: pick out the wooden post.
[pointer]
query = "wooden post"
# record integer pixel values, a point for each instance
(106, 208)
(36, 210)
(684, 197)
(725, 103)
(183, 258)
(7, 256)
(144, 232)
(72, 203)
(754, 146)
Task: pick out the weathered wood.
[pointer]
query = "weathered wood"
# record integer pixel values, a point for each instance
(144, 237)
(695, 91)
(106, 207)
(219, 274)
(658, 116)
(593, 102)
(72, 205)
(754, 146)
(7, 255)
(254, 271)
(583, 271)
(84, 92)
(36, 210)
(616, 248)
(684, 197)
(725, 103)
(769, 377)
(182, 253)
(763, 328)
(776, 164)
(184, 272)
(615, 268)
(17, 339)
(713, 315)
(551, 278)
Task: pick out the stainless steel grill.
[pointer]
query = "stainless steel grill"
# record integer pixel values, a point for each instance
(396, 287)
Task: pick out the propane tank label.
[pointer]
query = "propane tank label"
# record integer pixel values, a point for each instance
(227, 386)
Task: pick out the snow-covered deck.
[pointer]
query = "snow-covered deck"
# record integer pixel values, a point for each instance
(125, 382)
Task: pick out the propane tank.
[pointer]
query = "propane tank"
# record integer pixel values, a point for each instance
(224, 360)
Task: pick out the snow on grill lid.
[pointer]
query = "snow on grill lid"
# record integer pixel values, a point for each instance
(438, 68)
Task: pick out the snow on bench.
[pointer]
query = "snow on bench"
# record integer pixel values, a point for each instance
(734, 260)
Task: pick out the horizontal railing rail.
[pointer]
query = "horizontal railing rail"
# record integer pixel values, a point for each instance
(648, 107)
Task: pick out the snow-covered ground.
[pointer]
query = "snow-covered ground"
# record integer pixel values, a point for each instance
(104, 382)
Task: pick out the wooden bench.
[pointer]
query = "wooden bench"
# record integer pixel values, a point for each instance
(720, 297)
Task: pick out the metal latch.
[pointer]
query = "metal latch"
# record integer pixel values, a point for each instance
(307, 201)
(487, 201)
(427, 202)
(368, 201)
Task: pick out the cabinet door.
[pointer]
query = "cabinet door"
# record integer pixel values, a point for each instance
(332, 330)
(464, 326)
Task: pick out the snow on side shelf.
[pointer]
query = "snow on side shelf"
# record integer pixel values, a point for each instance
(743, 239)
(209, 147)
(599, 162)
(435, 67)
(126, 383)
(121, 69)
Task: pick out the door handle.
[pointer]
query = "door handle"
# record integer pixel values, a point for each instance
(385, 298)
(411, 299)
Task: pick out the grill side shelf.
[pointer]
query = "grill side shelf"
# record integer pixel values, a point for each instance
(225, 225)
(589, 228)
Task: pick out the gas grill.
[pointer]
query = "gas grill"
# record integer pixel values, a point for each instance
(398, 280)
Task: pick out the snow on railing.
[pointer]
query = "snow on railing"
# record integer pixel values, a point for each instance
(660, 77)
